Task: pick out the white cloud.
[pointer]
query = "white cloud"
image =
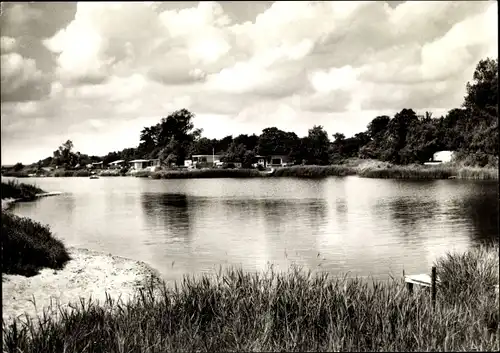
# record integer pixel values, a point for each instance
(297, 64)
(17, 72)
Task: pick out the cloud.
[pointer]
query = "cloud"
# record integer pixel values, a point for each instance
(21, 79)
(98, 69)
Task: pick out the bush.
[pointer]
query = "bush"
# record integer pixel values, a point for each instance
(15, 190)
(15, 174)
(29, 246)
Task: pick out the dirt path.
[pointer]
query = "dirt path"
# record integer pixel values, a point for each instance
(88, 274)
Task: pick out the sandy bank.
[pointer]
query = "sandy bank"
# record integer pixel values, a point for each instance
(89, 274)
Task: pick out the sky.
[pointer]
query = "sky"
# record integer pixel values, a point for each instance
(97, 73)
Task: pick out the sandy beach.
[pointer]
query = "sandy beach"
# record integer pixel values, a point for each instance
(89, 274)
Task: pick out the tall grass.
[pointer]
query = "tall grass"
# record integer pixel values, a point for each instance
(429, 172)
(15, 190)
(290, 311)
(29, 246)
(70, 173)
(206, 173)
(314, 171)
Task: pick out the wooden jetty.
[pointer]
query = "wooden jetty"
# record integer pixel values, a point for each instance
(431, 281)
(424, 280)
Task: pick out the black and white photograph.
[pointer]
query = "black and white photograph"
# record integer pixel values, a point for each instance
(249, 176)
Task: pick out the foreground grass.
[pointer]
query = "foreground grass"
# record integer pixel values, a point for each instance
(12, 189)
(293, 311)
(29, 246)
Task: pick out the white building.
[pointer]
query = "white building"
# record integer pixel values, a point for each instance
(440, 157)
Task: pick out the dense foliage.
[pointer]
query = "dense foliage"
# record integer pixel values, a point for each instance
(12, 189)
(28, 246)
(470, 130)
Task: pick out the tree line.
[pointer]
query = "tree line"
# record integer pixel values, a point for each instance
(470, 130)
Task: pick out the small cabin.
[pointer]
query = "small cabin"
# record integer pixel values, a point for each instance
(139, 164)
(440, 157)
(117, 164)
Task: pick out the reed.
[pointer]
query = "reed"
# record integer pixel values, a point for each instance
(280, 311)
(206, 173)
(315, 171)
(429, 172)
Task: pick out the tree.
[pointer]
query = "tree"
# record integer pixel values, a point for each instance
(482, 93)
(235, 153)
(396, 133)
(377, 126)
(64, 156)
(173, 135)
(274, 141)
(318, 145)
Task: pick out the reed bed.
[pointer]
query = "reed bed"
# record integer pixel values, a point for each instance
(314, 171)
(206, 173)
(429, 172)
(282, 311)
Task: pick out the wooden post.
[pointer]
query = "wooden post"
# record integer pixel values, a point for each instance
(410, 287)
(433, 286)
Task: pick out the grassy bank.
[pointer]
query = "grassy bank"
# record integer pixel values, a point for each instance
(203, 173)
(429, 172)
(362, 168)
(314, 171)
(292, 311)
(12, 189)
(29, 246)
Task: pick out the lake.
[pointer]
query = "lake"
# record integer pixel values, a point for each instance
(343, 225)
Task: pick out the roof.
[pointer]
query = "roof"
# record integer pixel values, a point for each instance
(118, 161)
(139, 160)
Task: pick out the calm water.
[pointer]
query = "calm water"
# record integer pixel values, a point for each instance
(362, 226)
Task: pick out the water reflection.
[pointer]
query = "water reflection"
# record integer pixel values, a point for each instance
(480, 210)
(170, 211)
(364, 226)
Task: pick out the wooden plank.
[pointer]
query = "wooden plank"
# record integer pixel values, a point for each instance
(421, 280)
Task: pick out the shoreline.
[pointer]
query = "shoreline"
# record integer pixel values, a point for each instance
(89, 274)
(364, 169)
(7, 203)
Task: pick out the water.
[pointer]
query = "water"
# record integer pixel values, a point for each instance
(350, 225)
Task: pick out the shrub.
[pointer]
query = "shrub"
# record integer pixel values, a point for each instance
(29, 246)
(15, 190)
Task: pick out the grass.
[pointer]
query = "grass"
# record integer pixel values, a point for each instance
(429, 172)
(15, 190)
(205, 173)
(314, 171)
(288, 311)
(29, 246)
